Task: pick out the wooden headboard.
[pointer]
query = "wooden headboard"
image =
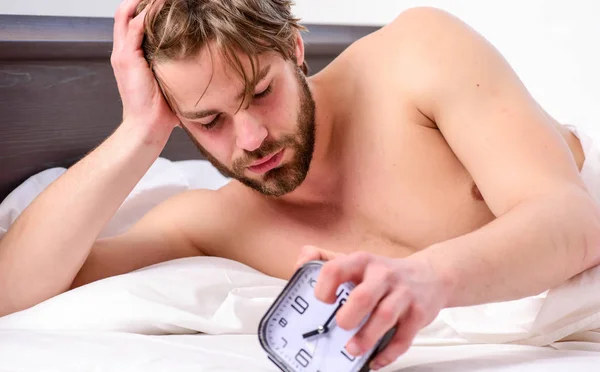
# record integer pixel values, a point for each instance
(58, 96)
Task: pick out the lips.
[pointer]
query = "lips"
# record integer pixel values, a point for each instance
(264, 165)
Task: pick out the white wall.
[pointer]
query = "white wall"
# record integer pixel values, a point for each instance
(552, 44)
(83, 8)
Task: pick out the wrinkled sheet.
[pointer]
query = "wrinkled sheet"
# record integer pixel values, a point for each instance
(202, 313)
(24, 351)
(220, 296)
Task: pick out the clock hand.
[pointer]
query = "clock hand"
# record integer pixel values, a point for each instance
(317, 331)
(325, 328)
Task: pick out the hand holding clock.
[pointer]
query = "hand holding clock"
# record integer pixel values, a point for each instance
(402, 293)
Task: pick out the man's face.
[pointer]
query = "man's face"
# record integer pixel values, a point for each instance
(266, 143)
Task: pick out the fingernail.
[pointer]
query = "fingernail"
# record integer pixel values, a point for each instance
(377, 365)
(353, 348)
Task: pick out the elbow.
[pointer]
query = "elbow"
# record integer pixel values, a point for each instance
(8, 302)
(585, 227)
(592, 240)
(6, 305)
(572, 227)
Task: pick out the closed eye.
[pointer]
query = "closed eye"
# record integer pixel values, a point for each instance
(213, 123)
(264, 93)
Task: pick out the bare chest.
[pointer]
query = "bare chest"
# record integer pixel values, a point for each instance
(402, 190)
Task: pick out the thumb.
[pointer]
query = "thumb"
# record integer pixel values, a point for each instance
(312, 253)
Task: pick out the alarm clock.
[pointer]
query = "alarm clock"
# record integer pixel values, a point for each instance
(299, 333)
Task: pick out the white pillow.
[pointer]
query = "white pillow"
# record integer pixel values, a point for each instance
(200, 174)
(164, 179)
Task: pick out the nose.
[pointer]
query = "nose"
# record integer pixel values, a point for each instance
(249, 133)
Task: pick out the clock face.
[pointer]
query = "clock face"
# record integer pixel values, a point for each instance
(299, 332)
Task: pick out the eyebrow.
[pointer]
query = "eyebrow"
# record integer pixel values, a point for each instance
(193, 115)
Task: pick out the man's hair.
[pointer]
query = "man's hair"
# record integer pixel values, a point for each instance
(178, 29)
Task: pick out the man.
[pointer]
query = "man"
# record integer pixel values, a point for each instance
(416, 162)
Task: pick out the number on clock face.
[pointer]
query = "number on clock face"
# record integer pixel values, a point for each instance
(303, 357)
(300, 313)
(300, 305)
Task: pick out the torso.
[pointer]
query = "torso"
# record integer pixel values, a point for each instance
(403, 189)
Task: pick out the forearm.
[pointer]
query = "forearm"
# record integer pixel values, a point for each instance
(49, 242)
(536, 246)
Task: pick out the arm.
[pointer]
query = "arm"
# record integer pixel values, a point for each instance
(47, 245)
(43, 250)
(548, 226)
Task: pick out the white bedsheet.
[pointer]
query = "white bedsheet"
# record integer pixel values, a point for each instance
(149, 320)
(24, 351)
(146, 320)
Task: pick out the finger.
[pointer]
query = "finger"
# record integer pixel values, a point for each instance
(135, 34)
(122, 17)
(406, 331)
(383, 318)
(312, 253)
(364, 298)
(338, 271)
(307, 253)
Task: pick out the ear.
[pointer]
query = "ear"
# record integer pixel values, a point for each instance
(299, 50)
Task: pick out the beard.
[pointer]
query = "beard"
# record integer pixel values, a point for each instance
(287, 177)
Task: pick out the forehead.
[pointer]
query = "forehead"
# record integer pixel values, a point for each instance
(207, 79)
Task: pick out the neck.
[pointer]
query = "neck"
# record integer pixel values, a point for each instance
(321, 185)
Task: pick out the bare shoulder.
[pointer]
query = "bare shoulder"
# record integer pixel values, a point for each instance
(423, 29)
(213, 220)
(414, 41)
(201, 216)
(424, 55)
(398, 47)
(409, 29)
(430, 43)
(210, 221)
(399, 62)
(424, 19)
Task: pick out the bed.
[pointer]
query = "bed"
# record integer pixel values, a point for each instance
(58, 100)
